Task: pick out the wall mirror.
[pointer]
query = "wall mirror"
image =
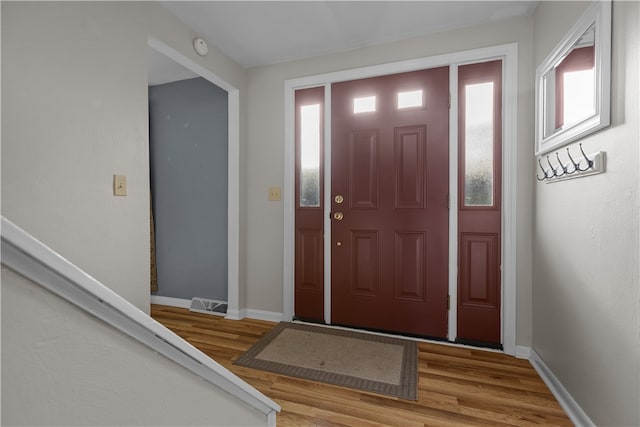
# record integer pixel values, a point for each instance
(573, 82)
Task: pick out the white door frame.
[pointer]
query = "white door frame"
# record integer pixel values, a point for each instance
(233, 167)
(509, 54)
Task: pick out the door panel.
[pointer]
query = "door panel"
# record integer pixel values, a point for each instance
(478, 256)
(309, 242)
(410, 144)
(364, 257)
(480, 201)
(364, 169)
(410, 266)
(390, 165)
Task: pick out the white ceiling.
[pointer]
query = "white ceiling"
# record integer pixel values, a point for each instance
(255, 33)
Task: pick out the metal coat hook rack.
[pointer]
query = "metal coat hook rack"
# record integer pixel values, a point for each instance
(571, 168)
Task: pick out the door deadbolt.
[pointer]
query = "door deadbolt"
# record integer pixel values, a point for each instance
(338, 216)
(338, 199)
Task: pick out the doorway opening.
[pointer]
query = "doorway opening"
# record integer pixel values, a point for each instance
(229, 225)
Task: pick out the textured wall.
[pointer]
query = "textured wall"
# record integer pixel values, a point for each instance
(586, 324)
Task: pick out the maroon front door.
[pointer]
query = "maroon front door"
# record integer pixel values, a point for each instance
(389, 202)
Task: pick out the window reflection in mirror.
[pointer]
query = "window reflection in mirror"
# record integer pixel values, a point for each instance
(569, 87)
(573, 83)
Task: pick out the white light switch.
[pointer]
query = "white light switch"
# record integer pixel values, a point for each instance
(119, 185)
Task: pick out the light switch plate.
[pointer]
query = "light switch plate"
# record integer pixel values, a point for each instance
(274, 194)
(119, 185)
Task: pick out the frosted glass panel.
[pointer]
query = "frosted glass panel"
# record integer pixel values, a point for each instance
(310, 155)
(478, 149)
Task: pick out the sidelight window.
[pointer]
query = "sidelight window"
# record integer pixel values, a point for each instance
(309, 147)
(478, 144)
(310, 155)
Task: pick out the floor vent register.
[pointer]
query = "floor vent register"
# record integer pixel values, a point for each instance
(208, 306)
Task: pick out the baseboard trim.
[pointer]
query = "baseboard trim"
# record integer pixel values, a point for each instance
(234, 314)
(523, 352)
(575, 413)
(170, 301)
(271, 316)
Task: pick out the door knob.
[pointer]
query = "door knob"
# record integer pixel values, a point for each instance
(338, 216)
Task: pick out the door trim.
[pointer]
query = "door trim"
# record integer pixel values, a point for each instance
(233, 175)
(509, 54)
(327, 203)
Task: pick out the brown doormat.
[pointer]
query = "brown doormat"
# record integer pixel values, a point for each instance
(356, 360)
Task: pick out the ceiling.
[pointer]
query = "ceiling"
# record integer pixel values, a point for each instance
(255, 33)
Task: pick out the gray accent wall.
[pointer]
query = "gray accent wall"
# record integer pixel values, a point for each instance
(188, 145)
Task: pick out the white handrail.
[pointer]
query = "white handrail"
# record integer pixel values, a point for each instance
(26, 255)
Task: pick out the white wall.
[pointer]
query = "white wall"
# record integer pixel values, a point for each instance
(586, 324)
(61, 366)
(265, 133)
(74, 92)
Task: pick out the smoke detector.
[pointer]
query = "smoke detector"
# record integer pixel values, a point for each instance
(200, 46)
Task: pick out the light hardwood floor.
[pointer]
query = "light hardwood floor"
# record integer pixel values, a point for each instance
(457, 386)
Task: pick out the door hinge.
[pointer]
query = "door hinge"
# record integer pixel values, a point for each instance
(448, 302)
(448, 201)
(449, 100)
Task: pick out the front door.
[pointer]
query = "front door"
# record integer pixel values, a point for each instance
(389, 203)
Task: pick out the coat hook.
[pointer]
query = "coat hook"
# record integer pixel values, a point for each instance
(563, 166)
(562, 170)
(543, 171)
(589, 162)
(573, 162)
(552, 168)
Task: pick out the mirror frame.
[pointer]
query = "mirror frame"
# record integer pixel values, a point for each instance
(599, 15)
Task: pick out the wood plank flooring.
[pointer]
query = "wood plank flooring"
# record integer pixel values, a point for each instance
(457, 386)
